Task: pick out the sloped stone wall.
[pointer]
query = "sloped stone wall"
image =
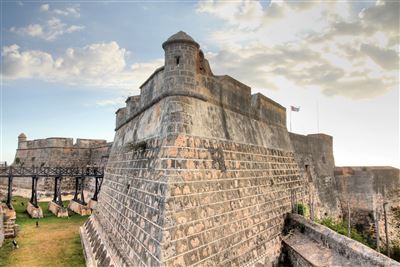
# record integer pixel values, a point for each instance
(201, 173)
(314, 155)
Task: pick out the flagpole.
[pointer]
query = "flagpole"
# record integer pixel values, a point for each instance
(290, 119)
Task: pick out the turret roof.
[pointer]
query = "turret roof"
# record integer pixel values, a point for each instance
(180, 36)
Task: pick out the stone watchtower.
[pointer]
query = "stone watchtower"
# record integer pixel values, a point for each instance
(21, 138)
(181, 53)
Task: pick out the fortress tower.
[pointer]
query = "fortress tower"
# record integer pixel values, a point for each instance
(201, 172)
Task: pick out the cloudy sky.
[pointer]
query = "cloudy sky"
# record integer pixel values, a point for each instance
(67, 66)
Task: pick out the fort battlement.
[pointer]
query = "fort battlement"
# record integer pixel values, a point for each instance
(59, 142)
(187, 73)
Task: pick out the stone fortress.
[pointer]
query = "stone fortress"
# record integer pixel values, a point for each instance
(56, 151)
(203, 173)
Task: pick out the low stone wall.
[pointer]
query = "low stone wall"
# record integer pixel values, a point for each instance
(349, 252)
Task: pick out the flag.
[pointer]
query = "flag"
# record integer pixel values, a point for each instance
(295, 109)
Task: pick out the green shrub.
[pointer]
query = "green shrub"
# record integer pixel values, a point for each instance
(301, 209)
(341, 228)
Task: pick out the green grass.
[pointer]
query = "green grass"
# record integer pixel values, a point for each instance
(341, 228)
(55, 242)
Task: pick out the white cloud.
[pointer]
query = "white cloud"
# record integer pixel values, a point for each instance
(386, 58)
(323, 45)
(101, 65)
(73, 10)
(48, 31)
(44, 7)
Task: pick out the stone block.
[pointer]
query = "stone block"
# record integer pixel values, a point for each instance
(76, 207)
(58, 210)
(92, 204)
(34, 212)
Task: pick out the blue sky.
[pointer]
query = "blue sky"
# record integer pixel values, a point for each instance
(67, 66)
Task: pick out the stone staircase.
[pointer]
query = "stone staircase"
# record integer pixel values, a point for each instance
(9, 229)
(9, 217)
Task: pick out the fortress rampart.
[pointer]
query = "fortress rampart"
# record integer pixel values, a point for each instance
(57, 152)
(204, 172)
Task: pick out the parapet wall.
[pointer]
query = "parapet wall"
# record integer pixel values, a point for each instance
(223, 91)
(314, 155)
(53, 142)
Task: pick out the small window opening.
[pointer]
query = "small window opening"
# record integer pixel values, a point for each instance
(177, 59)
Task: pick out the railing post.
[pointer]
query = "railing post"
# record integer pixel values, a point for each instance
(82, 185)
(9, 193)
(76, 188)
(97, 187)
(34, 191)
(57, 191)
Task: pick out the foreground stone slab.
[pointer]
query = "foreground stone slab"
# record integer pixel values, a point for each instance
(58, 210)
(34, 212)
(79, 208)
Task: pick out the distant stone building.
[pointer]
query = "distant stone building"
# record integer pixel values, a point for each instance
(56, 152)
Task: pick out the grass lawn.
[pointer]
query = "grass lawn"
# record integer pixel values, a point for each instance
(55, 242)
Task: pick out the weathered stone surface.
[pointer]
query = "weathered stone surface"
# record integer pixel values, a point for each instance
(92, 204)
(365, 189)
(311, 244)
(200, 172)
(76, 207)
(34, 212)
(9, 217)
(314, 155)
(58, 210)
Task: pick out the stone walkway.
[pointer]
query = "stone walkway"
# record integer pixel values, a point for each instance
(306, 251)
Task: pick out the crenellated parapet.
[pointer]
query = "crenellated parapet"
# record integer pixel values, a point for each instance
(58, 142)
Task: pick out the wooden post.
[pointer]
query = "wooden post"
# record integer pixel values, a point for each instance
(348, 220)
(386, 229)
(377, 230)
